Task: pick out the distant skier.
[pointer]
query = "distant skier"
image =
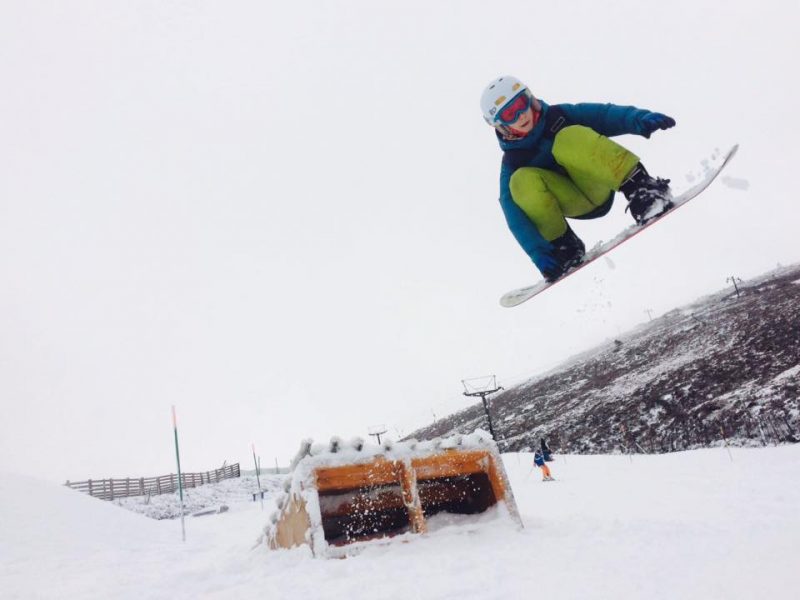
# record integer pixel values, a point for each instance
(558, 162)
(539, 461)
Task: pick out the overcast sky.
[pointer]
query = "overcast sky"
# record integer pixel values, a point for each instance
(283, 219)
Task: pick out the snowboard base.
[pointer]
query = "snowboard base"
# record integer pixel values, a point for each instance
(520, 295)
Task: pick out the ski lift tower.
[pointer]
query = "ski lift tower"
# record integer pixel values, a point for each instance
(483, 387)
(377, 431)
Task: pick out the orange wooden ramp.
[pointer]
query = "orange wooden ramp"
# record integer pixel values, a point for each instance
(334, 505)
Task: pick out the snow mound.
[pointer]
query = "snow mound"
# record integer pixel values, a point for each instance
(693, 524)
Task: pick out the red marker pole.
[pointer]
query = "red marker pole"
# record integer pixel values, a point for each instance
(180, 481)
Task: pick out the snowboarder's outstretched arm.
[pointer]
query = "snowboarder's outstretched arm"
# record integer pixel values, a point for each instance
(611, 119)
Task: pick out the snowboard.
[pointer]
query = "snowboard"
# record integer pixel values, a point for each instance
(520, 295)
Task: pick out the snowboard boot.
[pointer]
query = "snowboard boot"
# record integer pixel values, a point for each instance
(648, 197)
(568, 250)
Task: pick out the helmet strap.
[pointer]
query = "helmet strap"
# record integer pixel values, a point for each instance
(506, 133)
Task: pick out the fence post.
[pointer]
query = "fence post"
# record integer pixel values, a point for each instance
(105, 488)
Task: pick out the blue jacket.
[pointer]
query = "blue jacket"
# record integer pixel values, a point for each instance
(605, 119)
(538, 458)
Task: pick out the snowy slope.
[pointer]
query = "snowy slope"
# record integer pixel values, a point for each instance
(722, 368)
(698, 524)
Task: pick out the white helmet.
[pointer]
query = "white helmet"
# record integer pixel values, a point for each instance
(497, 94)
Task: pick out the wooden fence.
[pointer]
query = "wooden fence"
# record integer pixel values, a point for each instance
(109, 489)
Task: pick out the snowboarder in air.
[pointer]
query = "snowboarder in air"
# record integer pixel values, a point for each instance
(539, 461)
(558, 161)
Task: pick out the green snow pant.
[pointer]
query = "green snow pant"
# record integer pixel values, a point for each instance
(596, 167)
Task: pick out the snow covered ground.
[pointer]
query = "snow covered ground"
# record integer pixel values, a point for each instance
(686, 525)
(201, 499)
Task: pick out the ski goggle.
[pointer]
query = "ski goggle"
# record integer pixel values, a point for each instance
(514, 109)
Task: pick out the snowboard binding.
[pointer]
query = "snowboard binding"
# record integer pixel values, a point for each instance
(568, 250)
(648, 197)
